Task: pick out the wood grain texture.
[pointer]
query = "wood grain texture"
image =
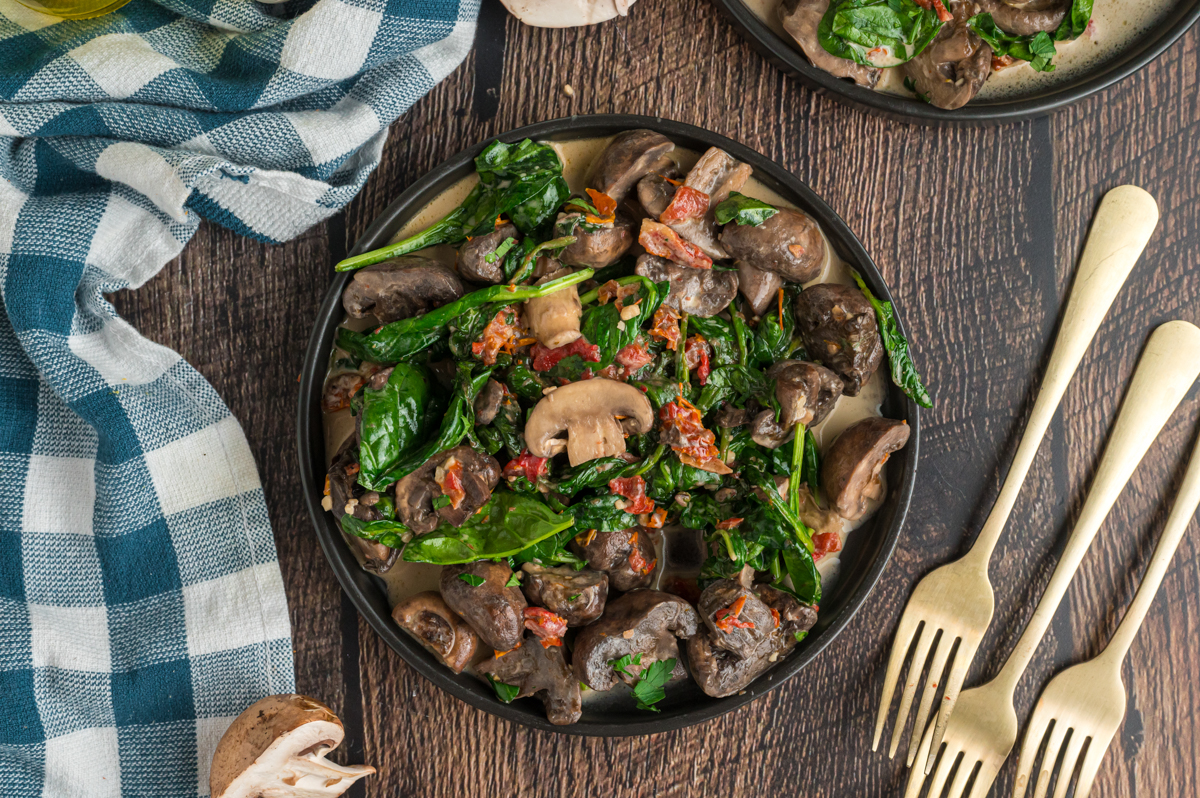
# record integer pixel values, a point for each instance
(976, 232)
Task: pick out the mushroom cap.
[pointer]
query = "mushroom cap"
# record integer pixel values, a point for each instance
(838, 327)
(956, 50)
(277, 748)
(401, 288)
(696, 292)
(807, 393)
(472, 257)
(578, 596)
(600, 248)
(761, 288)
(789, 243)
(850, 473)
(741, 641)
(542, 672)
(587, 412)
(629, 157)
(566, 13)
(645, 622)
(800, 19)
(609, 552)
(495, 611)
(426, 617)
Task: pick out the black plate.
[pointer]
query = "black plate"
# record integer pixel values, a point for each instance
(863, 560)
(786, 55)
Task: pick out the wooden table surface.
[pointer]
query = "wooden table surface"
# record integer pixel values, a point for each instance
(976, 231)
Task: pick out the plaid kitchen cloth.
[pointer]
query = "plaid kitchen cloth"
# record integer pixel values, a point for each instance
(141, 603)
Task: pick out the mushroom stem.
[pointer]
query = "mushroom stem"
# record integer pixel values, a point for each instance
(330, 774)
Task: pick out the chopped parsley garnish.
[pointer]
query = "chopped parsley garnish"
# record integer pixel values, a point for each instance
(622, 664)
(514, 580)
(506, 692)
(573, 598)
(649, 689)
(801, 635)
(471, 579)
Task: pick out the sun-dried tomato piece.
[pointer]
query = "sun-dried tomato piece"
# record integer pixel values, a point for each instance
(775, 615)
(448, 477)
(697, 352)
(606, 205)
(500, 335)
(826, 543)
(636, 561)
(683, 430)
(614, 290)
(545, 358)
(633, 489)
(665, 325)
(730, 523)
(633, 358)
(526, 465)
(547, 626)
(655, 519)
(727, 619)
(1002, 62)
(688, 203)
(660, 240)
(943, 14)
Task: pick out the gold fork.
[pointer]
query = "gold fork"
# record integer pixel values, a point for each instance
(1087, 701)
(983, 729)
(953, 604)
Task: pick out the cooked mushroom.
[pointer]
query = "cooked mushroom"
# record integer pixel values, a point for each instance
(717, 174)
(626, 555)
(837, 325)
(578, 596)
(655, 193)
(765, 430)
(586, 412)
(603, 247)
(376, 557)
(806, 392)
(494, 610)
(952, 69)
(415, 493)
(696, 292)
(400, 288)
(1028, 18)
(628, 158)
(721, 673)
(487, 403)
(554, 319)
(645, 622)
(542, 672)
(277, 748)
(472, 258)
(737, 620)
(761, 288)
(800, 19)
(566, 13)
(789, 244)
(850, 473)
(426, 617)
(730, 417)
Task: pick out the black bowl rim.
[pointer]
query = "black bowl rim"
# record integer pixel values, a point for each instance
(788, 58)
(356, 582)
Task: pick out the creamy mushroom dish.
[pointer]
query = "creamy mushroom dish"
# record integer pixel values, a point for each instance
(606, 402)
(946, 52)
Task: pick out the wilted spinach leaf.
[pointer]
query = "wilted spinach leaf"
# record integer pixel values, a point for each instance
(508, 523)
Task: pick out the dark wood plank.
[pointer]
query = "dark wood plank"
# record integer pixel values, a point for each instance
(976, 232)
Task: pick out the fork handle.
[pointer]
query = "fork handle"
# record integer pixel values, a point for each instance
(1123, 224)
(1164, 374)
(1177, 524)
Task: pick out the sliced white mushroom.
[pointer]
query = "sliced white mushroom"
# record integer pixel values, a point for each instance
(277, 748)
(593, 415)
(566, 13)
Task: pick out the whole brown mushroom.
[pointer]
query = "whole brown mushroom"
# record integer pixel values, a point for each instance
(851, 470)
(629, 157)
(789, 244)
(400, 288)
(472, 257)
(645, 622)
(541, 672)
(839, 330)
(493, 609)
(800, 19)
(578, 596)
(696, 292)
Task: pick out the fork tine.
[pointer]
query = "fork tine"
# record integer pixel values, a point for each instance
(1049, 759)
(954, 682)
(917, 776)
(1070, 761)
(966, 767)
(986, 778)
(916, 667)
(936, 670)
(1091, 764)
(945, 765)
(907, 628)
(1035, 732)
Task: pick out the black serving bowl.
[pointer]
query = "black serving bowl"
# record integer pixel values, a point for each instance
(863, 560)
(785, 54)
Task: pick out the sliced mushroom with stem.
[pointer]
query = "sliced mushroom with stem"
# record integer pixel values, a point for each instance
(851, 471)
(554, 320)
(480, 594)
(626, 555)
(800, 19)
(645, 623)
(838, 328)
(400, 288)
(789, 244)
(629, 157)
(578, 596)
(277, 748)
(462, 475)
(426, 617)
(541, 672)
(593, 415)
(473, 257)
(696, 292)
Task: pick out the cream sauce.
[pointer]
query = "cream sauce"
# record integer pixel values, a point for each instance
(405, 579)
(1116, 25)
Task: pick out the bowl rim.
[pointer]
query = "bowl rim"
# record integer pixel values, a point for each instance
(788, 58)
(362, 588)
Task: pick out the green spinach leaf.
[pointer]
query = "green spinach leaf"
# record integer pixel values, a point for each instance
(878, 33)
(507, 523)
(744, 210)
(393, 419)
(904, 371)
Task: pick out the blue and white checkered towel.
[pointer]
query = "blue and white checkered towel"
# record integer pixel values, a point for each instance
(141, 605)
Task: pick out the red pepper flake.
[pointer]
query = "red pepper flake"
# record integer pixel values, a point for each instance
(547, 626)
(826, 543)
(660, 240)
(730, 523)
(633, 489)
(697, 353)
(727, 619)
(942, 14)
(696, 441)
(326, 485)
(501, 335)
(545, 358)
(526, 465)
(669, 180)
(1002, 62)
(448, 477)
(688, 203)
(781, 308)
(665, 325)
(500, 654)
(775, 615)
